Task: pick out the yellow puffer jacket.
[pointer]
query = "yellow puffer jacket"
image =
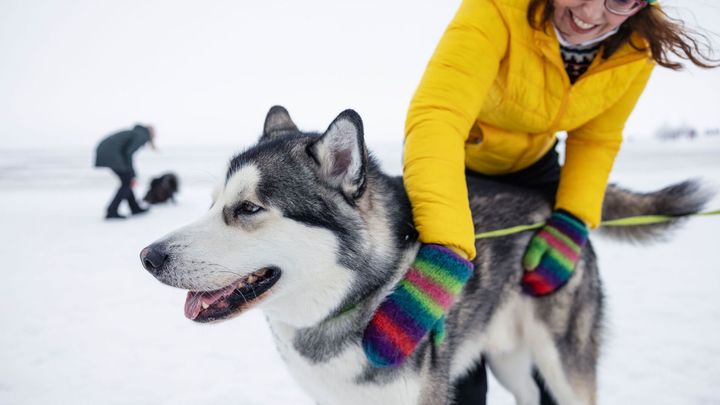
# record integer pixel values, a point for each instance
(492, 98)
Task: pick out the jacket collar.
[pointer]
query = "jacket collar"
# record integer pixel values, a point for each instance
(549, 46)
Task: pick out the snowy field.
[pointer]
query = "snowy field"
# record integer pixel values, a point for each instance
(83, 323)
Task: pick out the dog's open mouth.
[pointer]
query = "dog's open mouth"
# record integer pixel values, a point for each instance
(208, 306)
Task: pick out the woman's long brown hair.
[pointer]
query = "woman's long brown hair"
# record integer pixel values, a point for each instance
(665, 35)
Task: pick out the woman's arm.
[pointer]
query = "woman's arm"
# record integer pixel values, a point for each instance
(590, 153)
(444, 108)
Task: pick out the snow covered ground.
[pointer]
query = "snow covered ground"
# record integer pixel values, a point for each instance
(83, 323)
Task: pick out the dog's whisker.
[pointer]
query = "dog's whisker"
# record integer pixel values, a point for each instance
(253, 291)
(232, 272)
(227, 269)
(242, 295)
(239, 275)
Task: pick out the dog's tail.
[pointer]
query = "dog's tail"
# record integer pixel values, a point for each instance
(678, 200)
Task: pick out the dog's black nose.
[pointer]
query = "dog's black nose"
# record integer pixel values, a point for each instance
(153, 258)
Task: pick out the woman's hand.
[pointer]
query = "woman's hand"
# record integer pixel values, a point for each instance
(416, 306)
(552, 253)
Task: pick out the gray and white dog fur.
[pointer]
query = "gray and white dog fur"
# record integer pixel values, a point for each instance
(340, 233)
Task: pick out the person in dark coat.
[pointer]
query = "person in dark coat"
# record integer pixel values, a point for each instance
(115, 152)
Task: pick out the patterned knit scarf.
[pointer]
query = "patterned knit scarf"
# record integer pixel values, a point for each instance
(577, 59)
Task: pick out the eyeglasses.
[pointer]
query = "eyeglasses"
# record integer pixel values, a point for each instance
(625, 7)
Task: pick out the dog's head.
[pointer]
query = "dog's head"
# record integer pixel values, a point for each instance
(303, 224)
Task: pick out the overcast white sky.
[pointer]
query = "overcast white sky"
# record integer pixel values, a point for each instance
(205, 72)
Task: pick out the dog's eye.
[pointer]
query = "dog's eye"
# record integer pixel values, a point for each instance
(246, 208)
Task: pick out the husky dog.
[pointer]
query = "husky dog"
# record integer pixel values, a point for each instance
(307, 228)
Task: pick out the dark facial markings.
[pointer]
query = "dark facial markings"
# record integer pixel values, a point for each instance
(246, 208)
(240, 211)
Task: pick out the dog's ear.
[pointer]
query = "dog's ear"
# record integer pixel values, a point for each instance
(340, 152)
(277, 122)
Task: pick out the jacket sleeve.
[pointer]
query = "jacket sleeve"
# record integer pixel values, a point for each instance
(442, 111)
(590, 152)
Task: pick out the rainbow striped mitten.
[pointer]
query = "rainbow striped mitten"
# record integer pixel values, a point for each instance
(551, 255)
(416, 306)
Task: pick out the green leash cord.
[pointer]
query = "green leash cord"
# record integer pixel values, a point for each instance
(630, 221)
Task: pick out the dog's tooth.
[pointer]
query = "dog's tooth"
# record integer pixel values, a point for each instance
(251, 278)
(261, 272)
(240, 285)
(205, 305)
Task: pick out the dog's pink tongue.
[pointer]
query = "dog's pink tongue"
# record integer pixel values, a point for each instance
(194, 300)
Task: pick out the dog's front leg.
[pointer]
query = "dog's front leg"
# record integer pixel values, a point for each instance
(435, 377)
(514, 371)
(436, 392)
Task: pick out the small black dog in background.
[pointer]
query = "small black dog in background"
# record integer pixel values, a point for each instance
(162, 189)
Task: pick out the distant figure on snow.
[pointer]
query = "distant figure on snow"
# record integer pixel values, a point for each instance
(162, 188)
(115, 152)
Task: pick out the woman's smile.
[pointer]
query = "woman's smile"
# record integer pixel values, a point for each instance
(579, 25)
(581, 20)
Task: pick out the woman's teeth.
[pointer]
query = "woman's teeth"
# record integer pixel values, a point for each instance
(582, 24)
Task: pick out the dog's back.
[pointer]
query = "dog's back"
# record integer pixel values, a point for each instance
(162, 189)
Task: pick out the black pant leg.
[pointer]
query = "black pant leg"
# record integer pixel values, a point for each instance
(123, 193)
(132, 202)
(472, 389)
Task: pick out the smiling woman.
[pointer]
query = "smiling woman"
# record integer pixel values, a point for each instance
(506, 77)
(580, 21)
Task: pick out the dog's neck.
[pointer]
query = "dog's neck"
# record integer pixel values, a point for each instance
(343, 326)
(353, 311)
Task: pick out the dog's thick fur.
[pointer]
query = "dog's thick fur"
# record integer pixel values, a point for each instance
(317, 209)
(162, 189)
